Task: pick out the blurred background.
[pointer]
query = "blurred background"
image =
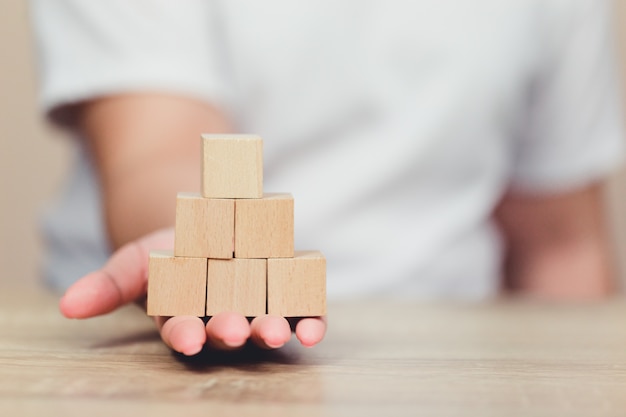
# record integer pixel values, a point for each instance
(34, 157)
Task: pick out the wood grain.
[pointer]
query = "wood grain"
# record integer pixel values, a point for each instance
(505, 358)
(236, 285)
(297, 286)
(205, 228)
(176, 285)
(264, 227)
(232, 166)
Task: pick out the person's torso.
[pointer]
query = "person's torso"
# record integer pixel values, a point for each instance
(392, 123)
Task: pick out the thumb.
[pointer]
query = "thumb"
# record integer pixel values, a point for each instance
(123, 279)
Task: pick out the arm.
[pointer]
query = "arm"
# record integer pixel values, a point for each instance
(571, 133)
(146, 148)
(557, 246)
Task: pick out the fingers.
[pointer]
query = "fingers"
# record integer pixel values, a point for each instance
(270, 332)
(96, 293)
(227, 331)
(184, 334)
(122, 280)
(310, 331)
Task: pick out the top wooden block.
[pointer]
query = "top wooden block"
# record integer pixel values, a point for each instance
(232, 166)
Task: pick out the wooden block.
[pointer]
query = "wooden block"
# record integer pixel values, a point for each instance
(236, 285)
(176, 285)
(232, 166)
(297, 286)
(205, 228)
(264, 227)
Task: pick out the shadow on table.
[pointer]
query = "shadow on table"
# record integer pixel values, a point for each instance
(248, 357)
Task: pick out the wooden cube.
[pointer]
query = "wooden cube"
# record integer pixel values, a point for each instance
(176, 285)
(232, 166)
(264, 227)
(297, 286)
(236, 285)
(205, 228)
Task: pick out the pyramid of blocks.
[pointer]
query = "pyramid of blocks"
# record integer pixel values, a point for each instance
(234, 244)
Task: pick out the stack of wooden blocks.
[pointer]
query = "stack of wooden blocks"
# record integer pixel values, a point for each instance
(234, 245)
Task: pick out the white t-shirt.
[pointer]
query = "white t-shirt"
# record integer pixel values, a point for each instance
(397, 125)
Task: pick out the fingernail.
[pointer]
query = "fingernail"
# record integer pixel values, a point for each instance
(274, 344)
(193, 350)
(232, 342)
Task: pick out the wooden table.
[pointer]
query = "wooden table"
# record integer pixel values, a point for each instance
(501, 358)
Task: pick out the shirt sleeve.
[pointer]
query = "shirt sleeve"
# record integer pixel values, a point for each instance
(93, 48)
(574, 132)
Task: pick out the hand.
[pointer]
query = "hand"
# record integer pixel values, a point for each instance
(124, 280)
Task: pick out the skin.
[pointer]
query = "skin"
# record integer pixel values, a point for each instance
(558, 246)
(146, 149)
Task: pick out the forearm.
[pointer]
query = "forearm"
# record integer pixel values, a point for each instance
(558, 247)
(146, 148)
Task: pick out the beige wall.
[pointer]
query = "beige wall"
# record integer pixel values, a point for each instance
(617, 187)
(33, 160)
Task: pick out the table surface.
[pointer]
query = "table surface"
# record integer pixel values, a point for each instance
(501, 358)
